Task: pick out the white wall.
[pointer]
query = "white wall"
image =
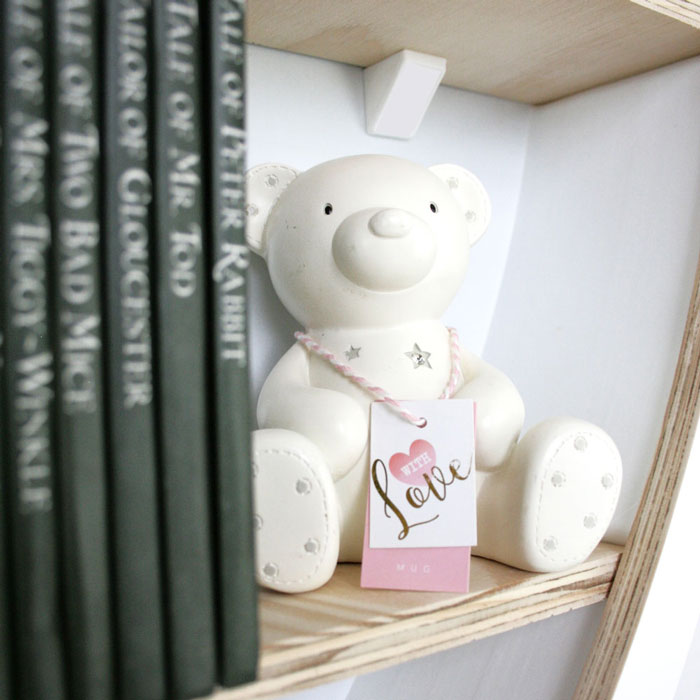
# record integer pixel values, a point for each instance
(596, 290)
(541, 661)
(303, 111)
(592, 304)
(689, 683)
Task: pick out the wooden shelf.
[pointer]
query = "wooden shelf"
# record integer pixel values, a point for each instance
(532, 52)
(341, 630)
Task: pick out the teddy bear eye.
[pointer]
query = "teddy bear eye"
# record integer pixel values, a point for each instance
(328, 209)
(433, 207)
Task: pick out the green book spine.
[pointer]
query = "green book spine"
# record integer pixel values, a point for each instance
(127, 221)
(237, 591)
(5, 630)
(180, 342)
(5, 638)
(28, 377)
(78, 313)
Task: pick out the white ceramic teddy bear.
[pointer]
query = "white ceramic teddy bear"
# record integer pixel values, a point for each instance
(367, 252)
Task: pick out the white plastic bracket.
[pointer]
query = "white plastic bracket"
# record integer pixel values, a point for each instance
(398, 92)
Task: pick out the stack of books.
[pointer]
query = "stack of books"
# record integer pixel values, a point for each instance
(126, 544)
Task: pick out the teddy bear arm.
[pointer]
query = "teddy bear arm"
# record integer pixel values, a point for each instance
(333, 421)
(500, 412)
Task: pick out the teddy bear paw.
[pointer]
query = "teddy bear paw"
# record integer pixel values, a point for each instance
(295, 515)
(575, 489)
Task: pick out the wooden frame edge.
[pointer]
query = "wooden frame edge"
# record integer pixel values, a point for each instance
(640, 557)
(687, 12)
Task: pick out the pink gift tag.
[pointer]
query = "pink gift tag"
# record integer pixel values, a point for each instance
(421, 507)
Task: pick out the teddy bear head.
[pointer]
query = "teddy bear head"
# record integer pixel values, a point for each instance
(365, 241)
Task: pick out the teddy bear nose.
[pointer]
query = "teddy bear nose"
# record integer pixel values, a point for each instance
(390, 223)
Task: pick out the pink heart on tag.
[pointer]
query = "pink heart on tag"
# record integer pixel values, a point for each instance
(410, 468)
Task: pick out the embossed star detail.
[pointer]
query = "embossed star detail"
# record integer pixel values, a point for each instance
(419, 357)
(352, 353)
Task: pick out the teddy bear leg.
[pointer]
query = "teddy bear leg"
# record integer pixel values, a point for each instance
(295, 513)
(550, 505)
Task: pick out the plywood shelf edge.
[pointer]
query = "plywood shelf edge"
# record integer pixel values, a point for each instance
(342, 630)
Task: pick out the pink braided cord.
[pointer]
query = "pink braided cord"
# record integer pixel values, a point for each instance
(455, 372)
(381, 394)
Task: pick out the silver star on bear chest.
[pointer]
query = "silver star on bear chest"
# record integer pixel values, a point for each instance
(353, 353)
(419, 357)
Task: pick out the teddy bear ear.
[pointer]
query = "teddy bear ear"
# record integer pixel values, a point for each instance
(471, 196)
(264, 185)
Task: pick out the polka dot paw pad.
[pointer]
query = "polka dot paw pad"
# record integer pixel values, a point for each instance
(295, 520)
(579, 487)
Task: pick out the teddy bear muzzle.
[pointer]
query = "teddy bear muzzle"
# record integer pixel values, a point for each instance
(384, 250)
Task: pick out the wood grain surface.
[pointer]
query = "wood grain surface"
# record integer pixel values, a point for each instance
(341, 630)
(646, 540)
(532, 52)
(687, 11)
